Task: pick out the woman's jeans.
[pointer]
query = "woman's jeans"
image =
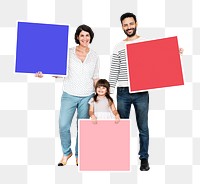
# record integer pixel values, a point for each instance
(141, 104)
(69, 104)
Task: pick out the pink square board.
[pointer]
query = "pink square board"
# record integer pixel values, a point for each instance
(154, 64)
(104, 146)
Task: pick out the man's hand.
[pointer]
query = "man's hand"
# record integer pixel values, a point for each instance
(181, 51)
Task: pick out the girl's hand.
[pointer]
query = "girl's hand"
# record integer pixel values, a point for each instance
(94, 119)
(117, 119)
(39, 74)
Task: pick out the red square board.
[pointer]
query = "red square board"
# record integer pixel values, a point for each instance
(154, 64)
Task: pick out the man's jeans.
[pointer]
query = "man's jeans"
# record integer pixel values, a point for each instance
(141, 104)
(69, 104)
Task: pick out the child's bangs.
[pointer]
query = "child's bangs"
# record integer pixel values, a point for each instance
(102, 85)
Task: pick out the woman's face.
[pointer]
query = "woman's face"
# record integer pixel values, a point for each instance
(84, 38)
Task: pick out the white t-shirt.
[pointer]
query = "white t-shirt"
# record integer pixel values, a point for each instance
(102, 108)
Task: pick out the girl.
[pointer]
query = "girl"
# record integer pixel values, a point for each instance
(102, 105)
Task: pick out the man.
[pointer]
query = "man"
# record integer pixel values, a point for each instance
(118, 73)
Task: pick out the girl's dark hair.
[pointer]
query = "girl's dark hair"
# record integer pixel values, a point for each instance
(83, 28)
(104, 83)
(127, 15)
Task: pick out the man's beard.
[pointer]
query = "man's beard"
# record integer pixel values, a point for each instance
(132, 34)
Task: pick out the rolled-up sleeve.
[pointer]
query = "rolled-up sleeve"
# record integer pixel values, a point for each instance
(96, 70)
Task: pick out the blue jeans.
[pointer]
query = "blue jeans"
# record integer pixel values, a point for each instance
(69, 104)
(141, 104)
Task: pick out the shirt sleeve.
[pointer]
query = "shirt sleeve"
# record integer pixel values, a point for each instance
(96, 70)
(114, 71)
(91, 101)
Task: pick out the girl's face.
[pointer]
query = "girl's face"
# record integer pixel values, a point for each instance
(84, 38)
(101, 90)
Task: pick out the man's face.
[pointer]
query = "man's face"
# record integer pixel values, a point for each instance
(129, 26)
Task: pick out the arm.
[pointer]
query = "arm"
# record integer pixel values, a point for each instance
(91, 113)
(115, 112)
(95, 81)
(39, 74)
(114, 71)
(96, 72)
(57, 77)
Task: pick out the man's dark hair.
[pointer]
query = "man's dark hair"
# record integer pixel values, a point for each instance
(126, 15)
(83, 28)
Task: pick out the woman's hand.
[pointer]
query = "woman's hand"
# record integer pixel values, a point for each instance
(39, 74)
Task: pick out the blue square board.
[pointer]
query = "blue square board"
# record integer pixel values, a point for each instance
(42, 47)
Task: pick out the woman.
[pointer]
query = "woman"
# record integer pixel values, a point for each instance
(78, 88)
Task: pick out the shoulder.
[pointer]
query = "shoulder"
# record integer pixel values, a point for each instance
(93, 52)
(118, 47)
(72, 50)
(91, 101)
(140, 39)
(93, 55)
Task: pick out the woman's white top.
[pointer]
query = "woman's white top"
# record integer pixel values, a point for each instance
(81, 75)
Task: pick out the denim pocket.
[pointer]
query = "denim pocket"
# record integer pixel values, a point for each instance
(122, 90)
